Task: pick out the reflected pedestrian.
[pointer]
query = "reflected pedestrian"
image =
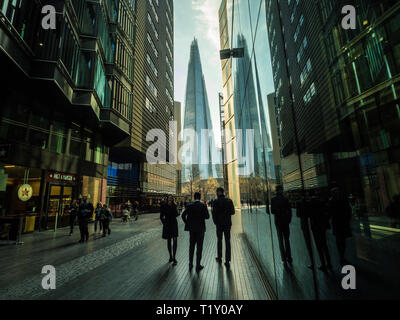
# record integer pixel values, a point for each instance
(302, 212)
(194, 218)
(222, 212)
(168, 217)
(282, 211)
(319, 221)
(340, 212)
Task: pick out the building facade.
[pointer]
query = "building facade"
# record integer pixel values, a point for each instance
(334, 121)
(58, 116)
(152, 105)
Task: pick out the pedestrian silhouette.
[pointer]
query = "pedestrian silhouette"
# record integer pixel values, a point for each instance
(106, 218)
(302, 212)
(97, 220)
(222, 212)
(340, 212)
(168, 215)
(85, 213)
(319, 221)
(194, 218)
(282, 212)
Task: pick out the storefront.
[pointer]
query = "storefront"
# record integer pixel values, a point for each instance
(44, 203)
(61, 190)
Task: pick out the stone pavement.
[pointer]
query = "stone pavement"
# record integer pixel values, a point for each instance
(131, 264)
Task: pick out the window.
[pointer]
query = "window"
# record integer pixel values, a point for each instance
(152, 65)
(311, 92)
(150, 85)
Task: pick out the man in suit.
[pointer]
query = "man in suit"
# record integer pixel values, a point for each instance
(282, 211)
(194, 217)
(222, 212)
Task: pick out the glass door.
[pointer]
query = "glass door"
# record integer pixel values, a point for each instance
(59, 199)
(53, 207)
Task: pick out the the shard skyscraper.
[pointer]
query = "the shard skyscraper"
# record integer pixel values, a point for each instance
(197, 160)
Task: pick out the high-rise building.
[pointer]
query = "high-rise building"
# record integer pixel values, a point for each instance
(152, 104)
(61, 108)
(197, 162)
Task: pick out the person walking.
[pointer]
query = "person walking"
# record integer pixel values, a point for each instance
(73, 212)
(85, 213)
(222, 212)
(168, 217)
(106, 218)
(282, 212)
(340, 212)
(319, 221)
(302, 212)
(194, 218)
(97, 214)
(135, 209)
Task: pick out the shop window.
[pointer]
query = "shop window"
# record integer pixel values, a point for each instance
(58, 138)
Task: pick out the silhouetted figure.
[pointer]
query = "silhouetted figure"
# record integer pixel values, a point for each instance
(302, 212)
(222, 212)
(135, 210)
(194, 218)
(106, 218)
(282, 211)
(85, 213)
(319, 221)
(97, 214)
(168, 215)
(73, 212)
(340, 212)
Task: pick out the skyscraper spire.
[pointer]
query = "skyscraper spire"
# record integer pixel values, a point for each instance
(197, 118)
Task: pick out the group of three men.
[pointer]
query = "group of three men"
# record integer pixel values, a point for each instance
(195, 216)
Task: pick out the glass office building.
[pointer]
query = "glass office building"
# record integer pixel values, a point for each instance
(334, 118)
(60, 110)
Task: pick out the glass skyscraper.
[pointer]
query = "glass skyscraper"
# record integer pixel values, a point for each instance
(197, 160)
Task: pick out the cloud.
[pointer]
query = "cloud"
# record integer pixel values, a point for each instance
(207, 24)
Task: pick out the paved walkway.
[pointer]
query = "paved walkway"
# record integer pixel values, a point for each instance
(131, 264)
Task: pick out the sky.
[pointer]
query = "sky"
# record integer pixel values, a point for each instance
(198, 18)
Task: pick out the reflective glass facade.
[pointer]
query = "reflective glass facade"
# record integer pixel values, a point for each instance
(332, 121)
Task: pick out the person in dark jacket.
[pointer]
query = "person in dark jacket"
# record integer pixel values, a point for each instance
(282, 211)
(302, 212)
(340, 212)
(73, 211)
(106, 218)
(195, 217)
(168, 215)
(97, 214)
(222, 212)
(319, 221)
(85, 213)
